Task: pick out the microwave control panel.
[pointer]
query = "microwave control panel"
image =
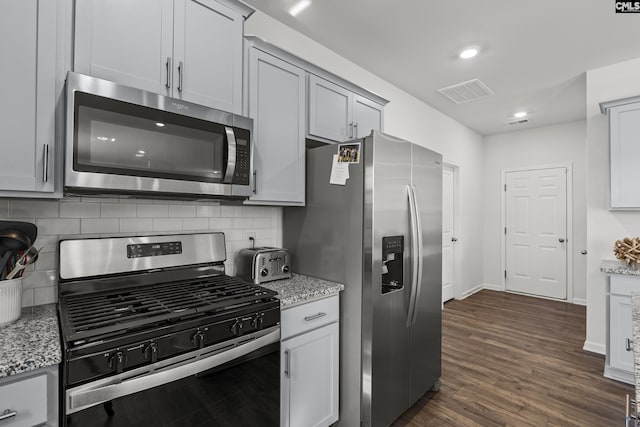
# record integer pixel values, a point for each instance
(243, 164)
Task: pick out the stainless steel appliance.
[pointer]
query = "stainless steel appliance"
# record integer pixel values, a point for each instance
(125, 140)
(263, 264)
(154, 333)
(380, 235)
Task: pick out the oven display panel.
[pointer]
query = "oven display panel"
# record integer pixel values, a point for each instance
(153, 249)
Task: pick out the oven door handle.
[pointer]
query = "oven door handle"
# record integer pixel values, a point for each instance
(88, 395)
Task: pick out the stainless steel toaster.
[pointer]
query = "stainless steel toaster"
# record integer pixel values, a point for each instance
(263, 264)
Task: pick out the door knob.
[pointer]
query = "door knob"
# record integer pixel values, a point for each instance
(561, 240)
(583, 252)
(454, 239)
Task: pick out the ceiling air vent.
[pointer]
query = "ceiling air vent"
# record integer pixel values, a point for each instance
(517, 121)
(467, 91)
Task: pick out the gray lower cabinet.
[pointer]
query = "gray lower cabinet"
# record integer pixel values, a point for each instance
(338, 114)
(276, 102)
(186, 49)
(28, 29)
(30, 399)
(310, 364)
(619, 358)
(624, 152)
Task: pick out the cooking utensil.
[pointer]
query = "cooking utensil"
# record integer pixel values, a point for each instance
(29, 229)
(3, 263)
(30, 256)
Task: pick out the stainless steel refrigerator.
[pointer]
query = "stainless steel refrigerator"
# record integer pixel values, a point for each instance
(381, 235)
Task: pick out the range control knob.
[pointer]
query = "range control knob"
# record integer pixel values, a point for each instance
(151, 352)
(264, 272)
(257, 321)
(198, 339)
(236, 328)
(116, 362)
(285, 268)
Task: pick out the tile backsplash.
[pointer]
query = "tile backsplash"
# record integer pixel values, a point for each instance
(100, 217)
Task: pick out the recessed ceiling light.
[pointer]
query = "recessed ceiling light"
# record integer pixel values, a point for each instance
(160, 125)
(469, 53)
(299, 7)
(520, 114)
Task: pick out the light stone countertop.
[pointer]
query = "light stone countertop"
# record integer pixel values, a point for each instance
(635, 325)
(619, 267)
(31, 342)
(301, 289)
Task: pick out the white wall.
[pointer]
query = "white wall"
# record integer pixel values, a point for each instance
(408, 118)
(604, 227)
(549, 145)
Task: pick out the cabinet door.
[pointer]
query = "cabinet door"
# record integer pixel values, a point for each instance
(277, 106)
(624, 125)
(619, 332)
(330, 110)
(310, 378)
(128, 42)
(28, 31)
(367, 116)
(208, 54)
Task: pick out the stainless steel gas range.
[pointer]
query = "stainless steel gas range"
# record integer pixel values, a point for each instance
(155, 333)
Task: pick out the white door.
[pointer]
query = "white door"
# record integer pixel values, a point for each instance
(536, 232)
(448, 233)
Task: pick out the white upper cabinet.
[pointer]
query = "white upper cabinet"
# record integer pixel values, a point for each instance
(330, 110)
(339, 114)
(186, 49)
(27, 111)
(624, 146)
(276, 101)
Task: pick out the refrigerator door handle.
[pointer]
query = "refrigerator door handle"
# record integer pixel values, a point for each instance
(416, 205)
(415, 254)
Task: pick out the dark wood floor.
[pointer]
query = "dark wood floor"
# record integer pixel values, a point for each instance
(514, 360)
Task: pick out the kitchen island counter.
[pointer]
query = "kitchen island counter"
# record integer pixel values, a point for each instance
(302, 289)
(619, 267)
(32, 342)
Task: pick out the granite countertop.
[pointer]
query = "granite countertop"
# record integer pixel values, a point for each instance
(301, 289)
(32, 342)
(619, 267)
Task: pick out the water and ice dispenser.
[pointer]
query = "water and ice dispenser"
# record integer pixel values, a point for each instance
(392, 269)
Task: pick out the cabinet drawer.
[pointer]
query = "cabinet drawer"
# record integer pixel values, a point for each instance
(624, 285)
(26, 397)
(306, 317)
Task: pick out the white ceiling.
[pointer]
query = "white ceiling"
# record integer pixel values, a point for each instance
(534, 54)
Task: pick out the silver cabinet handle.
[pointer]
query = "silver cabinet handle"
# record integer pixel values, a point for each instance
(45, 163)
(628, 345)
(8, 413)
(287, 364)
(561, 240)
(355, 129)
(255, 181)
(168, 64)
(314, 317)
(351, 130)
(180, 73)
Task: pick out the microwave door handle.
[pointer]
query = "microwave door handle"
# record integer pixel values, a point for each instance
(231, 157)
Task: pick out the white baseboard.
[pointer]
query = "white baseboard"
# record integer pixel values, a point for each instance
(491, 287)
(580, 301)
(471, 291)
(594, 347)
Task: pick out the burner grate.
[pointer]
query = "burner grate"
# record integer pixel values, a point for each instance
(98, 314)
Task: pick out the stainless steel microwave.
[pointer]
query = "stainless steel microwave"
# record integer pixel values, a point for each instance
(122, 140)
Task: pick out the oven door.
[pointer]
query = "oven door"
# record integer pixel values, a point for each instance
(121, 139)
(234, 384)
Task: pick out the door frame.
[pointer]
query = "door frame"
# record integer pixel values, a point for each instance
(569, 237)
(457, 293)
